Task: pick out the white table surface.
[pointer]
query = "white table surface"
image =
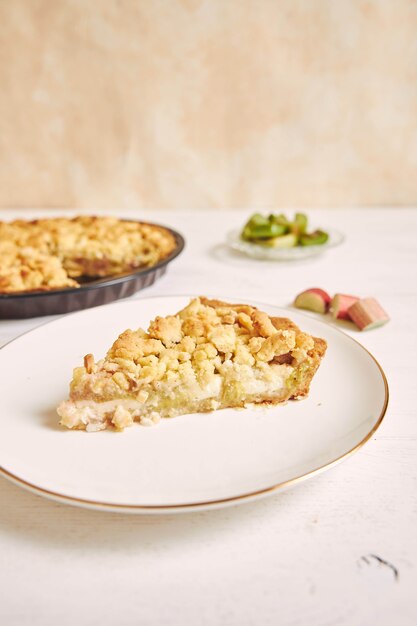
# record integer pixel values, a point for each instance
(338, 549)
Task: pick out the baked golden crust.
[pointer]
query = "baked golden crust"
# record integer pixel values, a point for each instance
(52, 253)
(27, 269)
(209, 355)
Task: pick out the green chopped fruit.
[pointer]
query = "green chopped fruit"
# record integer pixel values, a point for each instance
(266, 231)
(260, 227)
(258, 218)
(277, 231)
(261, 231)
(281, 220)
(246, 233)
(285, 241)
(300, 223)
(317, 238)
(257, 226)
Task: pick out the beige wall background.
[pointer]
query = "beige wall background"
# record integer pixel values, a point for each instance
(208, 103)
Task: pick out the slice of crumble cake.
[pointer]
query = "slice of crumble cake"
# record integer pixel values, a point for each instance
(210, 355)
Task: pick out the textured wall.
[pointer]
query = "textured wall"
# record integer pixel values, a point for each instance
(214, 103)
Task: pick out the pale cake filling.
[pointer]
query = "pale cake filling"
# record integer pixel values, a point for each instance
(210, 355)
(168, 402)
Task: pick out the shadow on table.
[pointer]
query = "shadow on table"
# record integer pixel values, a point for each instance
(37, 520)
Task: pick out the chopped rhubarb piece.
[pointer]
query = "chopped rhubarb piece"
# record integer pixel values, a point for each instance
(314, 299)
(368, 314)
(340, 306)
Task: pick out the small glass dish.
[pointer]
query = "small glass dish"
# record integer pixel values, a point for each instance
(297, 253)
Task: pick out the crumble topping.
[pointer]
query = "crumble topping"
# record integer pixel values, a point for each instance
(52, 253)
(27, 269)
(202, 332)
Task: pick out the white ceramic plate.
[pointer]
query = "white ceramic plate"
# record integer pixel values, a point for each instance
(189, 462)
(297, 253)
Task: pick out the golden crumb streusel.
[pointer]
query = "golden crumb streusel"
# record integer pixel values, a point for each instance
(27, 269)
(51, 253)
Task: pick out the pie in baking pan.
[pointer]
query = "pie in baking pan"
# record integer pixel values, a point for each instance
(55, 253)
